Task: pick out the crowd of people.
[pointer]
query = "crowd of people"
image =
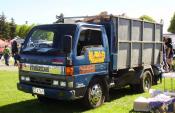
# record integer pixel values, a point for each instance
(14, 52)
(168, 54)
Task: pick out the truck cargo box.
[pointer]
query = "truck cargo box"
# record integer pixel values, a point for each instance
(137, 43)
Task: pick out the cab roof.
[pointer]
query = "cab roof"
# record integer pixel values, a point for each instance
(73, 24)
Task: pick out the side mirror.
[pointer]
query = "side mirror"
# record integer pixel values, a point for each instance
(67, 43)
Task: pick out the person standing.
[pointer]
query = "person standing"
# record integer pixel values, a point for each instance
(170, 53)
(15, 52)
(6, 54)
(165, 64)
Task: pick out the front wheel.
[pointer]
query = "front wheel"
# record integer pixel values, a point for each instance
(95, 94)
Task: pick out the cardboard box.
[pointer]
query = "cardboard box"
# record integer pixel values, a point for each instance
(141, 104)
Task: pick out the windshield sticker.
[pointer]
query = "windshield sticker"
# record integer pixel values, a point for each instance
(87, 69)
(96, 56)
(57, 61)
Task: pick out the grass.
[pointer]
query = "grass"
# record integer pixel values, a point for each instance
(14, 101)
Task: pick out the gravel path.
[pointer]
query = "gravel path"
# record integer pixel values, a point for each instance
(11, 67)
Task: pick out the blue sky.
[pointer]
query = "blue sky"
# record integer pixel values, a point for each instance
(44, 11)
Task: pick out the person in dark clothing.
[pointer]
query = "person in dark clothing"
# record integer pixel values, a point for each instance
(165, 64)
(170, 53)
(6, 54)
(15, 52)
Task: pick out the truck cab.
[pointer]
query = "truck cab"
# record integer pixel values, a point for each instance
(65, 62)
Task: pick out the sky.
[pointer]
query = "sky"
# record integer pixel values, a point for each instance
(45, 11)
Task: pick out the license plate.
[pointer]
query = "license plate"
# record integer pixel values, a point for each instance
(38, 91)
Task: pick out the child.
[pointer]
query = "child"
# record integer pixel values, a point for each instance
(6, 54)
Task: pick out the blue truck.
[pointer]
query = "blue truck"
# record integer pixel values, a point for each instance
(84, 59)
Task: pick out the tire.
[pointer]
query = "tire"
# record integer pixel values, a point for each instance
(145, 83)
(157, 75)
(95, 94)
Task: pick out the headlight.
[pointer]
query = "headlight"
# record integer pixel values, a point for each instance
(63, 84)
(27, 78)
(55, 82)
(70, 84)
(23, 78)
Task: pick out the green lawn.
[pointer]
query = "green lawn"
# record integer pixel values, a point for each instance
(14, 101)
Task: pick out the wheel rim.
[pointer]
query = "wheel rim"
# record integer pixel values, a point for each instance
(95, 94)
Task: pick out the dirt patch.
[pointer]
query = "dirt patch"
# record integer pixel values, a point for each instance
(11, 67)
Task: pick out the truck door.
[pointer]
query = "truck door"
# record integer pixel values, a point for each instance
(91, 62)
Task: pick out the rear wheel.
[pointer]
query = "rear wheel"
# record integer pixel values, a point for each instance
(95, 94)
(145, 83)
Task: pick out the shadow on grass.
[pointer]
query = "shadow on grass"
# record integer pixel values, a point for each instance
(118, 93)
(34, 106)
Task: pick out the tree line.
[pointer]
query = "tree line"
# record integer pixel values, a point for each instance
(9, 30)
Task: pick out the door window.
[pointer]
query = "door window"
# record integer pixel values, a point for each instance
(89, 38)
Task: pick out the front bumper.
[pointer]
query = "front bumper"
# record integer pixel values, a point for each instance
(60, 94)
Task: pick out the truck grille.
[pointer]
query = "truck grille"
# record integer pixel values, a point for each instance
(41, 81)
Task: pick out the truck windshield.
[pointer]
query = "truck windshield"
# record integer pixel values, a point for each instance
(48, 38)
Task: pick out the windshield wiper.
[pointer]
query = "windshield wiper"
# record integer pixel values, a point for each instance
(44, 50)
(36, 50)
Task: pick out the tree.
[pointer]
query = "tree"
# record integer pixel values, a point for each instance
(12, 28)
(147, 18)
(4, 29)
(7, 30)
(172, 25)
(2, 24)
(23, 30)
